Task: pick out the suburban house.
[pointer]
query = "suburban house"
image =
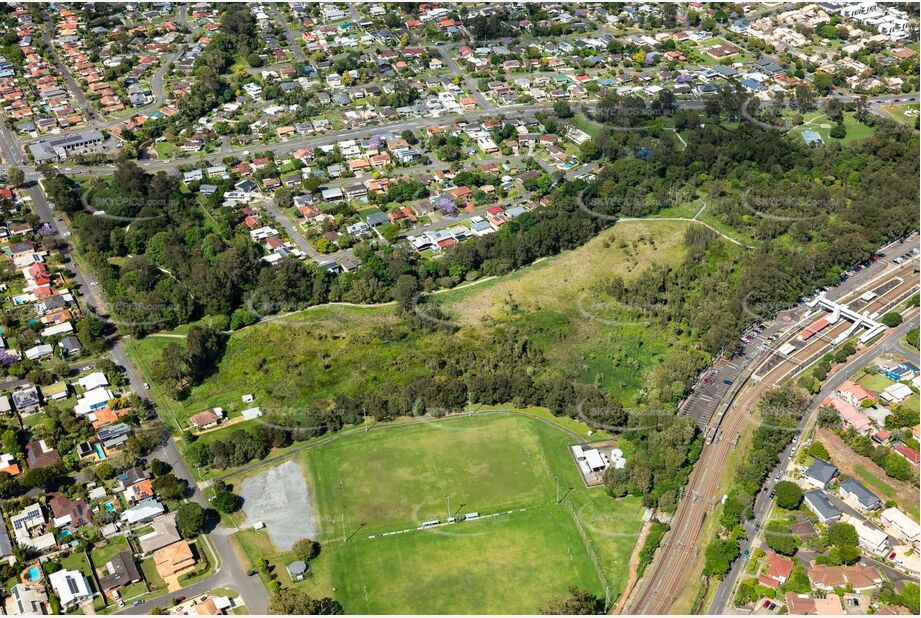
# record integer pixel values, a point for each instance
(207, 419)
(164, 533)
(850, 415)
(27, 600)
(858, 496)
(820, 473)
(854, 393)
(870, 539)
(174, 560)
(25, 521)
(71, 587)
(821, 506)
(901, 525)
(26, 400)
(67, 512)
(779, 568)
(860, 578)
(804, 605)
(40, 455)
(142, 512)
(120, 571)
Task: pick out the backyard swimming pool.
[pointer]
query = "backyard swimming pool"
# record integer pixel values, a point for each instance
(34, 574)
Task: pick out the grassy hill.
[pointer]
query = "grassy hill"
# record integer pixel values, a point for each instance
(560, 304)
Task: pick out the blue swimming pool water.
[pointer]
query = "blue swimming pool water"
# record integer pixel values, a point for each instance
(99, 452)
(34, 574)
(65, 533)
(110, 507)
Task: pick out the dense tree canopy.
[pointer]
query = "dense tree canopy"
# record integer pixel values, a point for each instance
(292, 601)
(789, 495)
(578, 603)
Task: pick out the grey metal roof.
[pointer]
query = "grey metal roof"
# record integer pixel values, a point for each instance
(864, 496)
(821, 505)
(6, 548)
(821, 471)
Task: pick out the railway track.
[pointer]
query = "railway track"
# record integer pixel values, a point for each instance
(674, 561)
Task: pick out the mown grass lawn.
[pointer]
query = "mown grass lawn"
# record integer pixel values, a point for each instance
(612, 527)
(897, 112)
(583, 122)
(875, 382)
(165, 150)
(398, 478)
(151, 576)
(855, 130)
(509, 564)
(77, 561)
(393, 479)
(102, 554)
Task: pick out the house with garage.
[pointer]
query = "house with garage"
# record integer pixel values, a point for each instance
(856, 495)
(820, 473)
(71, 588)
(817, 502)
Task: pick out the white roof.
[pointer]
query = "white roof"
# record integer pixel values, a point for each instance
(60, 522)
(908, 527)
(41, 543)
(143, 510)
(58, 329)
(871, 537)
(38, 351)
(92, 400)
(898, 390)
(594, 459)
(70, 586)
(251, 413)
(91, 381)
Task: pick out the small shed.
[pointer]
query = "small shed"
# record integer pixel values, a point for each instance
(297, 570)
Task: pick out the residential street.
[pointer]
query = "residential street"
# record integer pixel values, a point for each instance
(291, 145)
(88, 111)
(230, 572)
(723, 597)
(571, 286)
(290, 34)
